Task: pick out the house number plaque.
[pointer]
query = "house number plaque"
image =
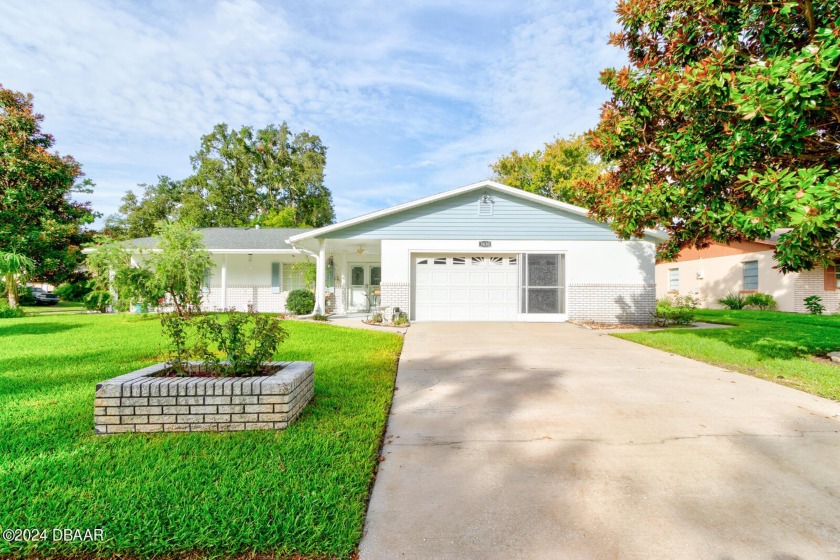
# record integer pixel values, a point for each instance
(484, 244)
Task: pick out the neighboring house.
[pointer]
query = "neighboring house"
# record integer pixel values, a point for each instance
(745, 267)
(483, 252)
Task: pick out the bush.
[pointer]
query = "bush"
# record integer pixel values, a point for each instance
(73, 291)
(376, 318)
(25, 296)
(97, 300)
(300, 302)
(228, 344)
(7, 312)
(676, 310)
(761, 301)
(319, 317)
(733, 301)
(814, 305)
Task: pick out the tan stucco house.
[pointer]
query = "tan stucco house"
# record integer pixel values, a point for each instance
(745, 267)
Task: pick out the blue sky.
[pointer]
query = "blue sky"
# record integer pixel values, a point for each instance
(411, 98)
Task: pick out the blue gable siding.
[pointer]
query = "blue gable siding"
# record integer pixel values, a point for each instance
(458, 218)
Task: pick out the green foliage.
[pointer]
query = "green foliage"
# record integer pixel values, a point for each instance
(14, 268)
(300, 302)
(237, 344)
(675, 310)
(814, 305)
(770, 345)
(38, 217)
(553, 172)
(25, 296)
(179, 266)
(725, 127)
(400, 320)
(73, 291)
(376, 318)
(178, 347)
(7, 312)
(733, 301)
(764, 302)
(97, 300)
(270, 176)
(320, 317)
(308, 271)
(114, 270)
(303, 490)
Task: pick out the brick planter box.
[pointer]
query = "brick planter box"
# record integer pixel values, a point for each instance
(137, 402)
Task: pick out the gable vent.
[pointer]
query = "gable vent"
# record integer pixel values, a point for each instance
(485, 205)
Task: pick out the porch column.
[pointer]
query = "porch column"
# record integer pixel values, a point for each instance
(224, 281)
(321, 278)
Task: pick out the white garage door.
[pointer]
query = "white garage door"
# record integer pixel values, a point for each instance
(465, 288)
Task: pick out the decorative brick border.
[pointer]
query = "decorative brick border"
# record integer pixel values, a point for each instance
(136, 402)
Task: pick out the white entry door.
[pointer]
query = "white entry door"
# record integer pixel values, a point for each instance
(365, 279)
(465, 288)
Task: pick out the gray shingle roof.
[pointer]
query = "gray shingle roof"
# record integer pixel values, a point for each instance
(237, 239)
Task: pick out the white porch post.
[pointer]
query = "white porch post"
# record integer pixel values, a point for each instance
(321, 278)
(224, 281)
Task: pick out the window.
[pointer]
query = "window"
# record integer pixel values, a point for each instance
(275, 277)
(543, 283)
(837, 275)
(478, 260)
(423, 261)
(459, 260)
(440, 260)
(751, 275)
(673, 279)
(205, 285)
(512, 260)
(497, 260)
(292, 279)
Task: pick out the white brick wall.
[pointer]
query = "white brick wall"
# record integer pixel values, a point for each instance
(611, 303)
(395, 294)
(812, 283)
(241, 296)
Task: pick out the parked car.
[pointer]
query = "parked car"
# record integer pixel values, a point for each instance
(43, 297)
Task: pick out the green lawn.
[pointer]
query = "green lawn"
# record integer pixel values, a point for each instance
(299, 491)
(767, 344)
(60, 307)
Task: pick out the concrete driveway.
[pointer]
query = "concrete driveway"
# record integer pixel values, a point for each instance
(551, 441)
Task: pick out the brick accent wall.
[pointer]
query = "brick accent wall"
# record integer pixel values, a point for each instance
(812, 283)
(611, 303)
(396, 294)
(136, 402)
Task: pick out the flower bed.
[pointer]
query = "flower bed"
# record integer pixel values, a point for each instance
(147, 400)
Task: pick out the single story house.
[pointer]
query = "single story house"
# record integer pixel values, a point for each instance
(482, 252)
(745, 268)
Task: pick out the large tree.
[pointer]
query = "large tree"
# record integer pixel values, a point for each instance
(241, 177)
(553, 172)
(38, 217)
(726, 125)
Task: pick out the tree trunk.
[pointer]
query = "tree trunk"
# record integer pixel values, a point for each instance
(11, 290)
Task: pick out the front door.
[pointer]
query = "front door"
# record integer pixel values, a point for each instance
(364, 286)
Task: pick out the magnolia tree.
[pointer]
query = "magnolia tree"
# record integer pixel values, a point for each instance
(725, 126)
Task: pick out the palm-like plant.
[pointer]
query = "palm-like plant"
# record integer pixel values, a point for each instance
(14, 268)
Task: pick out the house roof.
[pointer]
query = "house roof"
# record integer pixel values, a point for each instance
(493, 185)
(237, 240)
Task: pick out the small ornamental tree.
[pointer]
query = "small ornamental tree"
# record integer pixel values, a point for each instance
(725, 126)
(14, 268)
(180, 265)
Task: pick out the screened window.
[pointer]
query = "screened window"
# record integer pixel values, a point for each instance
(674, 279)
(205, 285)
(292, 278)
(751, 275)
(543, 283)
(275, 277)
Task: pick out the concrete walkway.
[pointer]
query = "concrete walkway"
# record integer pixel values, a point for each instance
(551, 441)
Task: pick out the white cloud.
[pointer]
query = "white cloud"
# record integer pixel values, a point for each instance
(411, 98)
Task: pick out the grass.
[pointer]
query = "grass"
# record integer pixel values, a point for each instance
(771, 345)
(60, 307)
(299, 491)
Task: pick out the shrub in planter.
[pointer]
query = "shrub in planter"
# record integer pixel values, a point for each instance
(97, 300)
(300, 302)
(7, 312)
(733, 301)
(73, 291)
(761, 301)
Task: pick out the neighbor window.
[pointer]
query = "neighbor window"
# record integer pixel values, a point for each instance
(673, 279)
(543, 283)
(292, 278)
(275, 277)
(751, 275)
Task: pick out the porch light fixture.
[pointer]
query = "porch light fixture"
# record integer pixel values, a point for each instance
(360, 250)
